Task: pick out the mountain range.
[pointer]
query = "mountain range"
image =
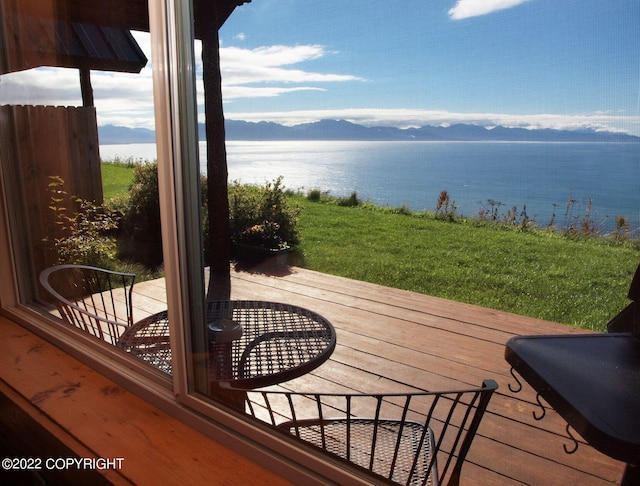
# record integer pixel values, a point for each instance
(344, 130)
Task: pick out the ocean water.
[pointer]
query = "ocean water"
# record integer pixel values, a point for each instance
(543, 178)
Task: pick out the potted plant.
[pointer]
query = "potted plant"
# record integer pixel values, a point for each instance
(262, 222)
(258, 242)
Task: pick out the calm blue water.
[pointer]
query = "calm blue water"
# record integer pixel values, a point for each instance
(538, 175)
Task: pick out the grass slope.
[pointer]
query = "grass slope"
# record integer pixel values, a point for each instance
(116, 179)
(582, 282)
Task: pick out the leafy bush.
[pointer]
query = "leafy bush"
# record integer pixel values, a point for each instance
(261, 213)
(266, 235)
(140, 237)
(351, 201)
(263, 210)
(314, 195)
(82, 231)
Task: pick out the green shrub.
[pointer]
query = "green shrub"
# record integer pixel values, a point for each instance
(266, 235)
(314, 195)
(264, 207)
(82, 231)
(140, 236)
(264, 210)
(351, 201)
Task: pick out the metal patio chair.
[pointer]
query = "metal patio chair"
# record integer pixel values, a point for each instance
(409, 438)
(628, 320)
(96, 300)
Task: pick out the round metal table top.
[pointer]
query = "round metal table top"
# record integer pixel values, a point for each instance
(275, 343)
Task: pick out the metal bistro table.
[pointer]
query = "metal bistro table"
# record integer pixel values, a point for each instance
(593, 382)
(277, 342)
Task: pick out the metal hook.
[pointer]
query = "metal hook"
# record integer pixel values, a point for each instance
(575, 442)
(544, 410)
(515, 390)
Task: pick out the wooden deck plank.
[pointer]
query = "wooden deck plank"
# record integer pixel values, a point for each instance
(388, 337)
(393, 340)
(333, 289)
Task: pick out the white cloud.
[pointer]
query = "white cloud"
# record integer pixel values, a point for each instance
(51, 86)
(272, 64)
(277, 55)
(127, 99)
(235, 92)
(474, 8)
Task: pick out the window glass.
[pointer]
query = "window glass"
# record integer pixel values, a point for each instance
(86, 234)
(120, 130)
(90, 213)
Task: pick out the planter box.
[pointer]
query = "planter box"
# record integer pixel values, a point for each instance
(253, 255)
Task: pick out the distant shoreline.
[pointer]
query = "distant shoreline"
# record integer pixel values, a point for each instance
(389, 141)
(340, 130)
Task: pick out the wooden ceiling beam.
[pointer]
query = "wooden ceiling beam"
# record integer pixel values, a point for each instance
(119, 14)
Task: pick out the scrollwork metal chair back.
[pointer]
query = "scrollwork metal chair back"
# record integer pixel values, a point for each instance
(411, 438)
(628, 320)
(96, 300)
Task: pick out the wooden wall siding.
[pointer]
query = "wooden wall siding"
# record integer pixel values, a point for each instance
(46, 141)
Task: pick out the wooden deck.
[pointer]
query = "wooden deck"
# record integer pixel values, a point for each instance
(389, 340)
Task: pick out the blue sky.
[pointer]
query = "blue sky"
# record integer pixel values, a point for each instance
(529, 63)
(533, 62)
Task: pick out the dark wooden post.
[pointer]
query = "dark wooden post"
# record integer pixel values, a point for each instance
(85, 86)
(217, 175)
(209, 17)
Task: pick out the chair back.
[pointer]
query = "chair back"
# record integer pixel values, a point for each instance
(410, 438)
(628, 319)
(96, 300)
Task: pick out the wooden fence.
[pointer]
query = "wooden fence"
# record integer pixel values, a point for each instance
(43, 142)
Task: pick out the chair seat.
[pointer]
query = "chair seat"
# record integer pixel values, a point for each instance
(396, 446)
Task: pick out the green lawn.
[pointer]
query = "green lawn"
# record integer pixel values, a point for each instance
(581, 282)
(116, 178)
